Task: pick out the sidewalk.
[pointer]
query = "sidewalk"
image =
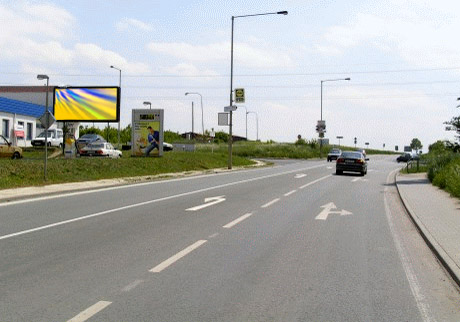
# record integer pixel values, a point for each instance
(437, 215)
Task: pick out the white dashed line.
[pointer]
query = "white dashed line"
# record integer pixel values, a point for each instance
(132, 285)
(89, 312)
(290, 193)
(238, 220)
(268, 204)
(315, 181)
(178, 256)
(213, 235)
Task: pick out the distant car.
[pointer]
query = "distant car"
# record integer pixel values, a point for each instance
(100, 149)
(86, 139)
(334, 154)
(167, 146)
(55, 138)
(8, 150)
(351, 161)
(406, 157)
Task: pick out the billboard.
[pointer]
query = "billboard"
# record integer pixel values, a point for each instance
(87, 104)
(147, 132)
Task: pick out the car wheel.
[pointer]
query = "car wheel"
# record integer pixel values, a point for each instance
(363, 173)
(49, 144)
(16, 155)
(60, 145)
(338, 172)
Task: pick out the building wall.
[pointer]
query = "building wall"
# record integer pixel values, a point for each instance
(13, 121)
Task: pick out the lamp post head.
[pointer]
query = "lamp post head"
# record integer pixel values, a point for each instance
(147, 103)
(282, 13)
(187, 93)
(348, 78)
(41, 76)
(111, 66)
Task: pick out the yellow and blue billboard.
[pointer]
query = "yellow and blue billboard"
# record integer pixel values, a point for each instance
(87, 104)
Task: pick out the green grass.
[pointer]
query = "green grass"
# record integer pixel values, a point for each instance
(29, 172)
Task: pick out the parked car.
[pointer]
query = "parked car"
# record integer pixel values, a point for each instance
(404, 157)
(86, 139)
(55, 138)
(100, 149)
(334, 154)
(351, 161)
(8, 150)
(167, 146)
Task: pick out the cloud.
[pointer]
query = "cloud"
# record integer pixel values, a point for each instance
(133, 25)
(244, 54)
(184, 69)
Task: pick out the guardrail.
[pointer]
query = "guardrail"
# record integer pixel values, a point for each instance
(415, 163)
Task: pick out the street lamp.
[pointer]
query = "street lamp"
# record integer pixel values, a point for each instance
(257, 123)
(119, 117)
(42, 77)
(148, 103)
(202, 118)
(230, 139)
(323, 81)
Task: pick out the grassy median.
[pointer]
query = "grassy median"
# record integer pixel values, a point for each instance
(29, 172)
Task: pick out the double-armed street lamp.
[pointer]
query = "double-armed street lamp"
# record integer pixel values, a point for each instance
(323, 81)
(230, 139)
(202, 117)
(42, 77)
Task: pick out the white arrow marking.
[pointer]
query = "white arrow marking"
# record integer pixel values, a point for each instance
(300, 175)
(208, 202)
(327, 210)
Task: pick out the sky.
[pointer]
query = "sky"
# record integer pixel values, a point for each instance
(403, 59)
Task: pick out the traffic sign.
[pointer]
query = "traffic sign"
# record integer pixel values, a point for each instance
(230, 108)
(222, 119)
(321, 126)
(239, 95)
(47, 119)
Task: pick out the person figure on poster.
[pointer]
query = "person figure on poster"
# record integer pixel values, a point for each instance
(154, 139)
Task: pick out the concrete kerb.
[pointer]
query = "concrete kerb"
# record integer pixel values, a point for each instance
(8, 195)
(435, 247)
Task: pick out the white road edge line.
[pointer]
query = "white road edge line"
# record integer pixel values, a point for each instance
(268, 204)
(148, 203)
(290, 193)
(176, 257)
(89, 312)
(237, 221)
(315, 181)
(422, 305)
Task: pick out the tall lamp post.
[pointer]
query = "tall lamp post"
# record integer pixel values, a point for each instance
(42, 77)
(323, 81)
(230, 139)
(119, 118)
(148, 103)
(257, 123)
(201, 100)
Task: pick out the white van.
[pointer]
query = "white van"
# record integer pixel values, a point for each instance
(55, 138)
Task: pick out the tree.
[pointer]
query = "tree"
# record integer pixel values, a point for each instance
(416, 144)
(454, 125)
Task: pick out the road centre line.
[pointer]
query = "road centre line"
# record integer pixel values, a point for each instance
(91, 311)
(237, 221)
(268, 204)
(315, 181)
(28, 231)
(290, 193)
(132, 285)
(176, 257)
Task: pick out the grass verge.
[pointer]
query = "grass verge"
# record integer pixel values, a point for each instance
(29, 172)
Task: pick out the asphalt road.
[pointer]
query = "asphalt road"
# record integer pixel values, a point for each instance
(293, 242)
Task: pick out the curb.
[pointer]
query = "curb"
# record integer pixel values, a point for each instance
(116, 182)
(449, 265)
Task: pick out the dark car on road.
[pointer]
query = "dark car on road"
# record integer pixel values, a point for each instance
(334, 154)
(351, 161)
(406, 157)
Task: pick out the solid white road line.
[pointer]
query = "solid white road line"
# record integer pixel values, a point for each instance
(268, 204)
(290, 193)
(149, 202)
(315, 181)
(420, 299)
(132, 285)
(89, 312)
(236, 221)
(178, 256)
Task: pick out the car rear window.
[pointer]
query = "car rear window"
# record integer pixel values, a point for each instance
(353, 155)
